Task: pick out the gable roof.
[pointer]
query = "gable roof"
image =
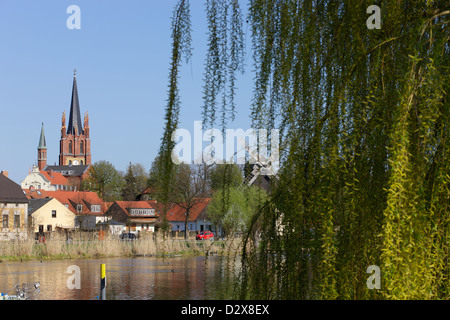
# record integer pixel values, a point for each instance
(35, 204)
(178, 213)
(126, 205)
(10, 191)
(72, 199)
(55, 178)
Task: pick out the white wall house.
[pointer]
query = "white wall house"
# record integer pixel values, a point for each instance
(37, 180)
(47, 215)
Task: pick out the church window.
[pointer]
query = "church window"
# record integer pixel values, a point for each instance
(82, 147)
(70, 146)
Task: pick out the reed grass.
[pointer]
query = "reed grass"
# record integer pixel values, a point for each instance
(56, 247)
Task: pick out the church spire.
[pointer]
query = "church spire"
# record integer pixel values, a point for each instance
(74, 126)
(42, 150)
(42, 143)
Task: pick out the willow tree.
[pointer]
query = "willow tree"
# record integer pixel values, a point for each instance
(163, 174)
(364, 121)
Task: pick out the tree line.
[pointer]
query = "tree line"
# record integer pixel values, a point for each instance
(190, 185)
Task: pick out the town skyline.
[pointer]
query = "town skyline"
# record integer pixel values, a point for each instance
(121, 54)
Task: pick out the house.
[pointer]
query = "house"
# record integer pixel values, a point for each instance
(48, 214)
(87, 206)
(45, 180)
(197, 220)
(13, 210)
(135, 215)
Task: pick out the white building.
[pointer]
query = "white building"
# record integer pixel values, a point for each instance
(44, 180)
(47, 215)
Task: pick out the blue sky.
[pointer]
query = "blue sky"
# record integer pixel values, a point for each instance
(121, 54)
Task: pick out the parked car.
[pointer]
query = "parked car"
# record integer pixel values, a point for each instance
(128, 236)
(204, 235)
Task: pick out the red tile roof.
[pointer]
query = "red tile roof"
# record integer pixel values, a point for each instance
(55, 178)
(178, 213)
(125, 205)
(72, 199)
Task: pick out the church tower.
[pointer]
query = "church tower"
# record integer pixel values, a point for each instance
(75, 145)
(42, 150)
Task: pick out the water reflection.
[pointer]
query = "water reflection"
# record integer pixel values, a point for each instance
(139, 278)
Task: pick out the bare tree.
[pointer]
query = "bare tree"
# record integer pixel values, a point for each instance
(190, 187)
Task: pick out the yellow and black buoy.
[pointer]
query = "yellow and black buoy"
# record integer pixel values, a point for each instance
(103, 282)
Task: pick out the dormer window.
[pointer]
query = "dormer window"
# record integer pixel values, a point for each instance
(142, 212)
(79, 208)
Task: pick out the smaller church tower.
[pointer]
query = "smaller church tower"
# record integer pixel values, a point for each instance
(42, 150)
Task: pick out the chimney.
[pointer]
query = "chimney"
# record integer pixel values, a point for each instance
(5, 173)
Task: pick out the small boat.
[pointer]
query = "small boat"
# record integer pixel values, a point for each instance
(24, 291)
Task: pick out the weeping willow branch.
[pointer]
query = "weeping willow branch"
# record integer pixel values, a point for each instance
(181, 45)
(225, 57)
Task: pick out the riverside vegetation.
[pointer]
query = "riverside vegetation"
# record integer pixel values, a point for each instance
(57, 247)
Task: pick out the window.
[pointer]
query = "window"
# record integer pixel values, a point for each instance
(82, 147)
(5, 221)
(79, 208)
(70, 146)
(95, 208)
(49, 228)
(142, 212)
(53, 213)
(16, 221)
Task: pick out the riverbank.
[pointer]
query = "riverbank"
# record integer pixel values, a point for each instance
(59, 248)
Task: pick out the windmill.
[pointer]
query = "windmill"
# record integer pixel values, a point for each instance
(262, 165)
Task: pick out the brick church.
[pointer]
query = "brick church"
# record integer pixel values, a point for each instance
(74, 146)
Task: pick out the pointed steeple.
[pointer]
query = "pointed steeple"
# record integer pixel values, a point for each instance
(42, 143)
(74, 126)
(42, 150)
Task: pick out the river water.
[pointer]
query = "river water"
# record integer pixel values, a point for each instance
(140, 278)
